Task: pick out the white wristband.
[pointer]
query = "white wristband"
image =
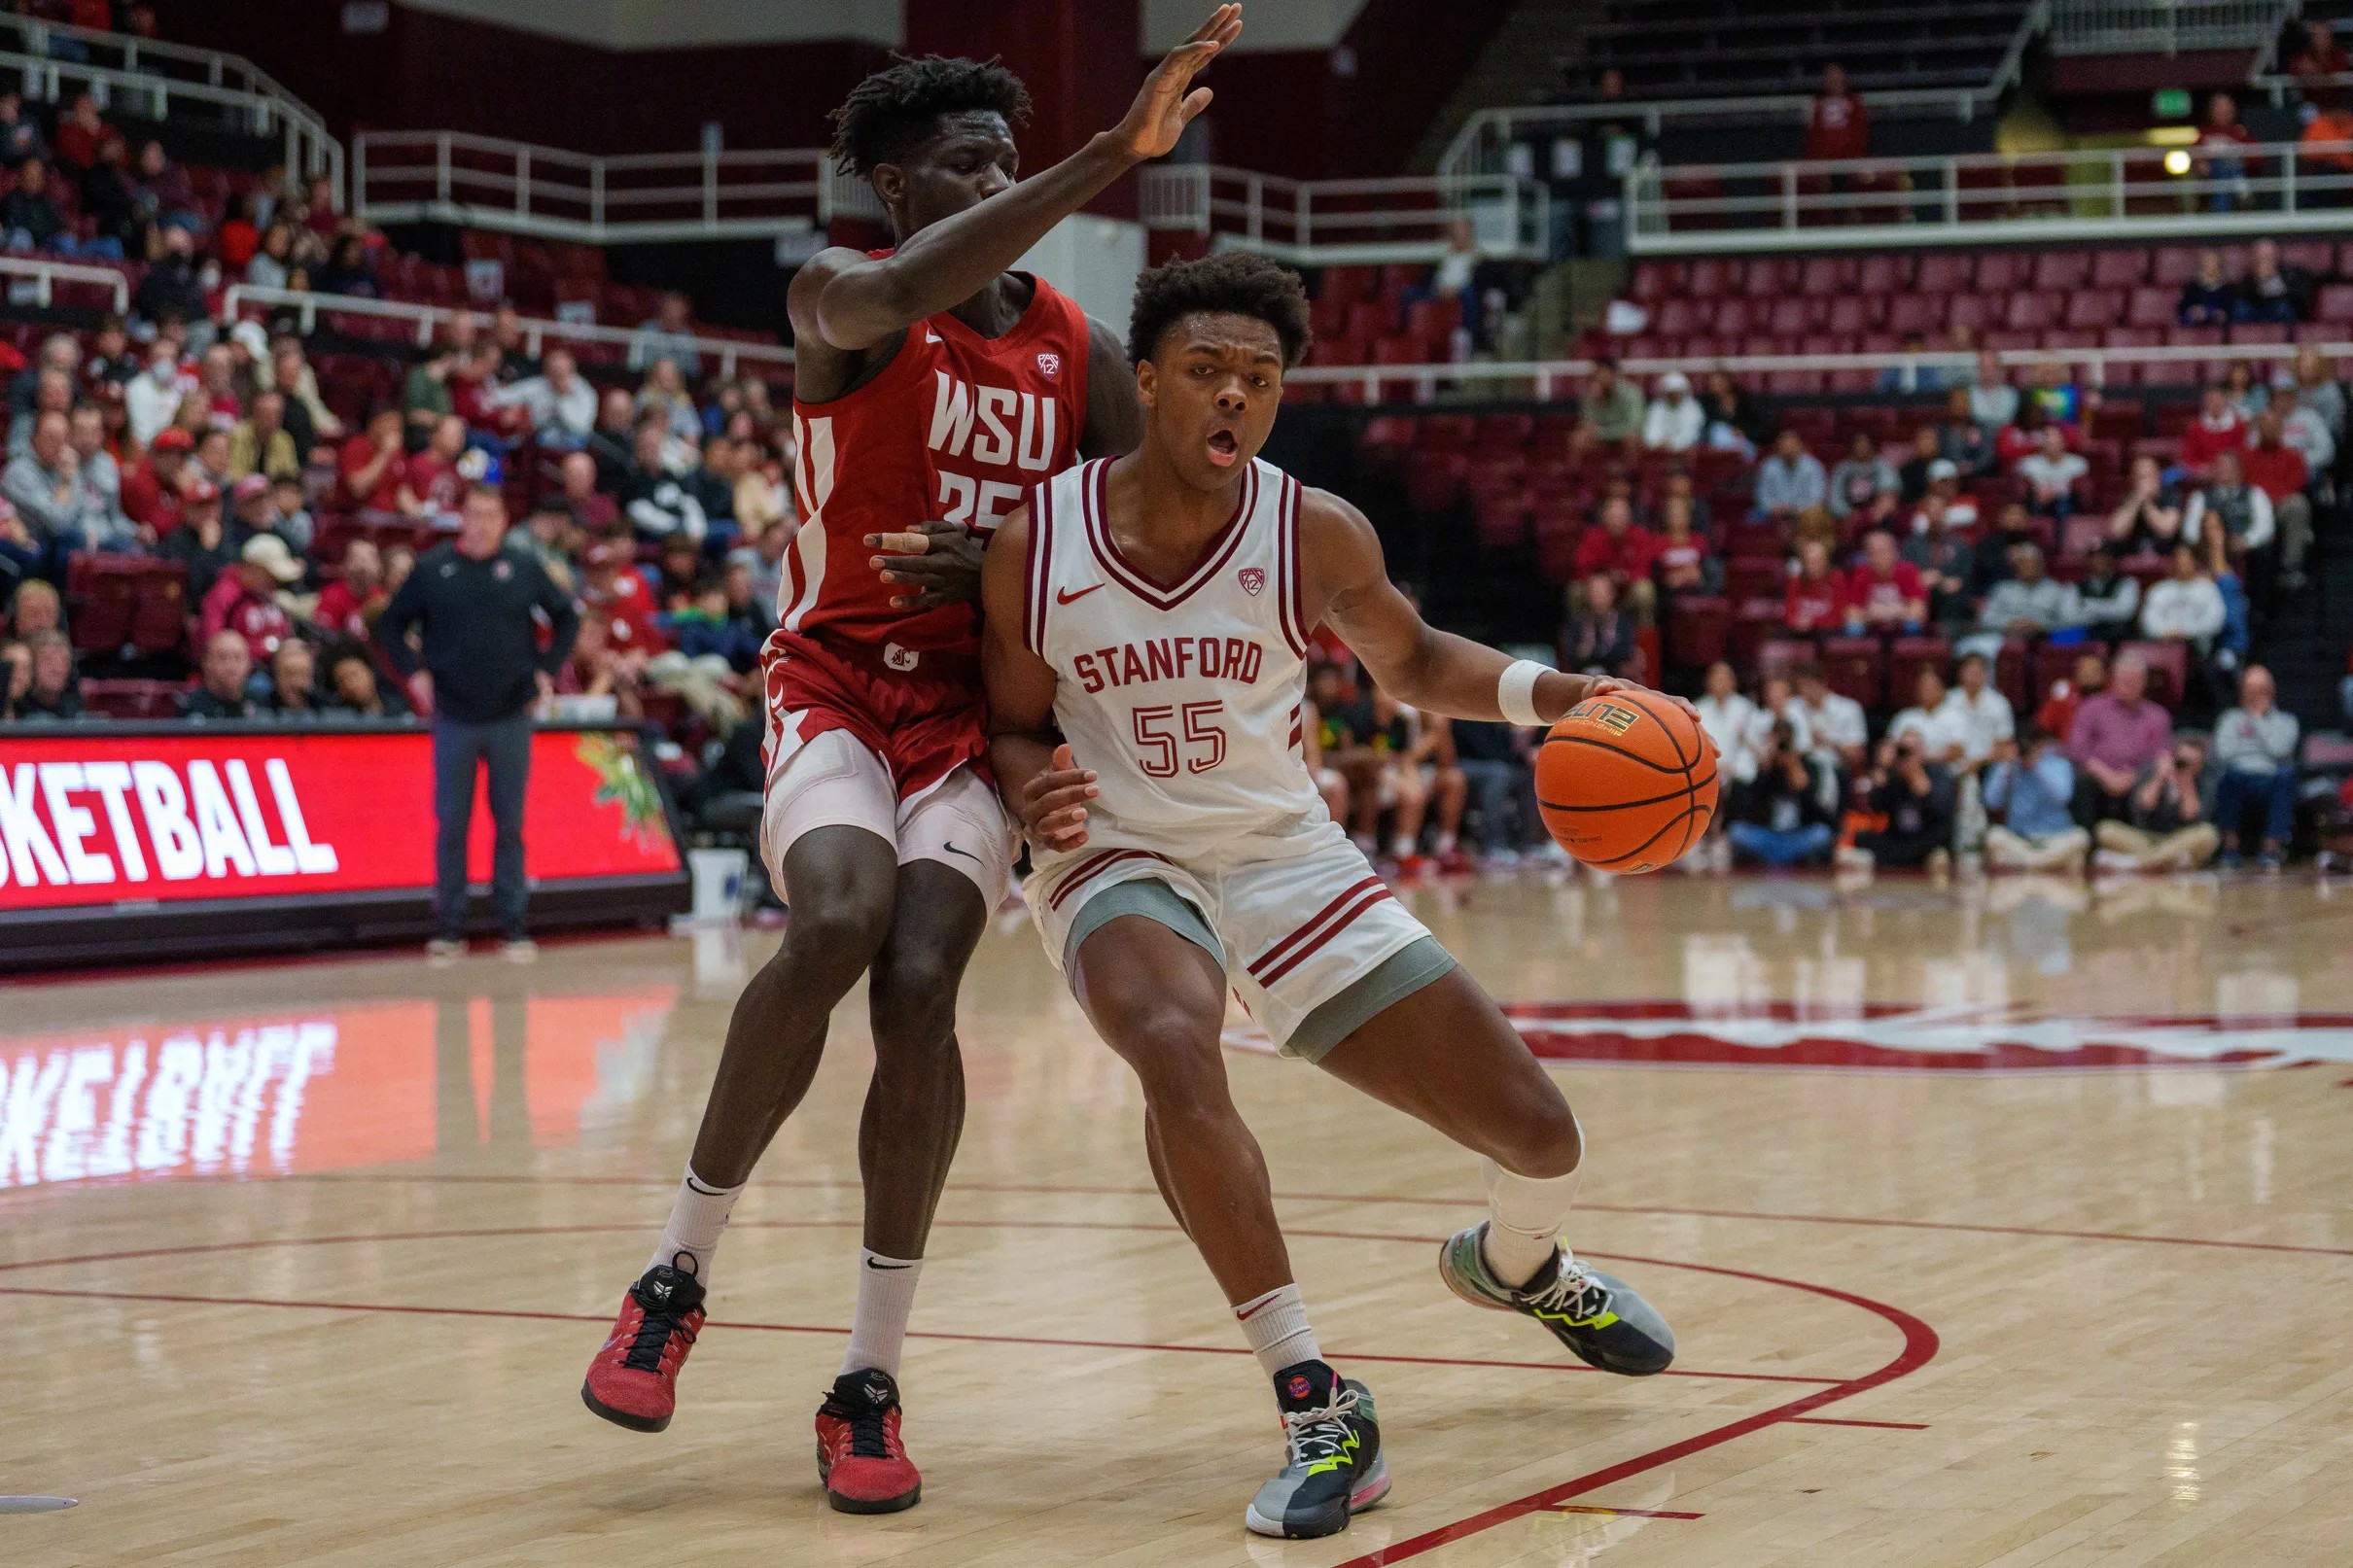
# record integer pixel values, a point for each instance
(1516, 691)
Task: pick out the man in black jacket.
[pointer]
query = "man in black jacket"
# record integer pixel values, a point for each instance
(480, 672)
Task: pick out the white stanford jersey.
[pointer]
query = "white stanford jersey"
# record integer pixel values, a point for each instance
(1186, 698)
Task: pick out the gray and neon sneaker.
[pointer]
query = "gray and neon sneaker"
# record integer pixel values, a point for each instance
(1596, 1316)
(1334, 1466)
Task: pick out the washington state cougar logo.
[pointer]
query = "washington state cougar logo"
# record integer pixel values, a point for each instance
(1251, 580)
(1049, 364)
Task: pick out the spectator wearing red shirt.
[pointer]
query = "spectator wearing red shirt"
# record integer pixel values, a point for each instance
(1816, 597)
(611, 586)
(79, 135)
(431, 486)
(370, 469)
(2279, 472)
(1621, 551)
(2057, 717)
(1884, 593)
(154, 491)
(1838, 125)
(243, 600)
(349, 605)
(2217, 429)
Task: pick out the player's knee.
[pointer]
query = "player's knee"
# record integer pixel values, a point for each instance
(841, 925)
(1175, 1054)
(1540, 1141)
(911, 996)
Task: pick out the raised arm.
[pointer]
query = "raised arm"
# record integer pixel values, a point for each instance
(849, 301)
(1035, 772)
(1346, 582)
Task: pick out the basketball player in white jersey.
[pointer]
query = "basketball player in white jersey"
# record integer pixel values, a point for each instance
(1144, 651)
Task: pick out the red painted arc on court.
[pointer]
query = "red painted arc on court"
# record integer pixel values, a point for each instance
(1919, 1347)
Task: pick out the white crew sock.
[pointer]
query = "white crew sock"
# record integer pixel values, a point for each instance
(697, 1217)
(885, 1295)
(1525, 1215)
(1446, 844)
(1277, 1327)
(1370, 845)
(1403, 848)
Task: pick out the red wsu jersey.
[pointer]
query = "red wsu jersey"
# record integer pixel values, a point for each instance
(957, 426)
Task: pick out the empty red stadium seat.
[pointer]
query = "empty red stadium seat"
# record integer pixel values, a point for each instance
(2120, 268)
(2063, 269)
(2093, 307)
(2010, 673)
(1697, 630)
(2000, 272)
(1945, 272)
(1906, 658)
(1851, 666)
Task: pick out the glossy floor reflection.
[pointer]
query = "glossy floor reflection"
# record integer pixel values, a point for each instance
(2003, 1224)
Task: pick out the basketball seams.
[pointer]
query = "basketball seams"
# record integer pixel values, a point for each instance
(1629, 805)
(1616, 751)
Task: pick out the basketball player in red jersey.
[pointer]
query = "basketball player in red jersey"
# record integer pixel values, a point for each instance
(1150, 613)
(930, 384)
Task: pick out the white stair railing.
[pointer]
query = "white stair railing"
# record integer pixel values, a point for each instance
(47, 275)
(539, 332)
(147, 76)
(2164, 26)
(1484, 144)
(2138, 193)
(1326, 221)
(548, 192)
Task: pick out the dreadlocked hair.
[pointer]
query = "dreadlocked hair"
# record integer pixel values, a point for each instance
(1236, 283)
(894, 108)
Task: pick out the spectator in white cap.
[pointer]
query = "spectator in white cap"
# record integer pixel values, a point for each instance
(1673, 422)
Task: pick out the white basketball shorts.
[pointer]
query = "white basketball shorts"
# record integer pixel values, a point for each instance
(1296, 918)
(833, 781)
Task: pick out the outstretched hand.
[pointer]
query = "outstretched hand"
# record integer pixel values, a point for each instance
(1053, 803)
(1164, 108)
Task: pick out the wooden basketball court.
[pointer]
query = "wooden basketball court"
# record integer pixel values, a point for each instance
(2006, 1225)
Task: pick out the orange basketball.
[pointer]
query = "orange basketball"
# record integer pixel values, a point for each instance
(1628, 782)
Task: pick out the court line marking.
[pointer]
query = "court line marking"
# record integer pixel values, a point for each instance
(260, 1244)
(1844, 1420)
(1887, 1222)
(1920, 1345)
(1625, 1512)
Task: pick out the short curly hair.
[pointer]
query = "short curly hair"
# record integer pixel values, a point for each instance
(897, 107)
(1238, 283)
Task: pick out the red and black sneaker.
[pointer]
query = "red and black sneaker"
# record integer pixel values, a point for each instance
(633, 1381)
(859, 1458)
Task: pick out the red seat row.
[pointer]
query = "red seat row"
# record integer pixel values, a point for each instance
(1948, 272)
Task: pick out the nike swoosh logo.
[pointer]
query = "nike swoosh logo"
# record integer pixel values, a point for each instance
(951, 847)
(1064, 596)
(888, 1267)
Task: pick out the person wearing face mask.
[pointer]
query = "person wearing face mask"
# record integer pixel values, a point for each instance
(152, 398)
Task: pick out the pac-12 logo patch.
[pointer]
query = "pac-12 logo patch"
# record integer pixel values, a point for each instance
(1049, 364)
(1251, 578)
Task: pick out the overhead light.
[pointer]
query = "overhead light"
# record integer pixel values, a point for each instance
(2177, 161)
